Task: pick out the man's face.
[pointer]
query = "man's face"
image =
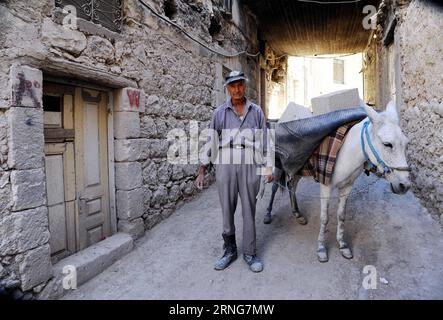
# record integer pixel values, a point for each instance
(237, 89)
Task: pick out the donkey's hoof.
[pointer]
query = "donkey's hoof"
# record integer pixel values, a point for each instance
(346, 252)
(301, 220)
(322, 255)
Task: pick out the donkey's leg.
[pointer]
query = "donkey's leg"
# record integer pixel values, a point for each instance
(292, 187)
(322, 252)
(268, 216)
(344, 248)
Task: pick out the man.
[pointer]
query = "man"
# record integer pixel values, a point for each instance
(231, 125)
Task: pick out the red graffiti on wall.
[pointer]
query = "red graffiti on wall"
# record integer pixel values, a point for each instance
(23, 88)
(134, 98)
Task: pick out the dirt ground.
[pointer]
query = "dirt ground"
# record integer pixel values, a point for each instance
(391, 232)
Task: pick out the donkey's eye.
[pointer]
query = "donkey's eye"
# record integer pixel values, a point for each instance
(387, 144)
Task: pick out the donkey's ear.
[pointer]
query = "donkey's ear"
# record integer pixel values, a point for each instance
(391, 112)
(372, 114)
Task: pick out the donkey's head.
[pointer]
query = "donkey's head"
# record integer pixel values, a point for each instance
(390, 143)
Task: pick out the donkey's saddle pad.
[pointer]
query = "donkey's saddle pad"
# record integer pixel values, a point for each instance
(296, 140)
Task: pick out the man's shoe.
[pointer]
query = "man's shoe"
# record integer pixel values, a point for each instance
(230, 254)
(268, 218)
(254, 262)
(226, 260)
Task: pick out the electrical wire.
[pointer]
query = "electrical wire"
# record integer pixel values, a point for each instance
(314, 57)
(332, 57)
(195, 39)
(329, 2)
(244, 51)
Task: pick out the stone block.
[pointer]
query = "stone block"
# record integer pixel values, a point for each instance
(126, 125)
(152, 220)
(148, 127)
(130, 149)
(129, 203)
(35, 267)
(5, 193)
(26, 86)
(157, 148)
(134, 228)
(26, 140)
(24, 230)
(160, 196)
(3, 272)
(147, 195)
(337, 100)
(150, 173)
(88, 263)
(128, 175)
(175, 193)
(130, 99)
(28, 189)
(58, 36)
(100, 49)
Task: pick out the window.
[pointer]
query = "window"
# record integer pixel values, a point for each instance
(107, 13)
(339, 71)
(52, 111)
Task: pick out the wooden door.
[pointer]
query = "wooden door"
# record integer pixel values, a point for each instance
(91, 166)
(60, 169)
(76, 165)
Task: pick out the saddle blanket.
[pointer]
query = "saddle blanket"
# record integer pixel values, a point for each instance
(322, 161)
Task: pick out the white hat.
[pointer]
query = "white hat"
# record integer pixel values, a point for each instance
(234, 76)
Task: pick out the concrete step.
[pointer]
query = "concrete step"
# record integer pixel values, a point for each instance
(73, 271)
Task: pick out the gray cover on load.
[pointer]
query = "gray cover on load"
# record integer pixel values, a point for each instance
(296, 140)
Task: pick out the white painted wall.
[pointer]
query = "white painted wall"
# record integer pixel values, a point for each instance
(310, 77)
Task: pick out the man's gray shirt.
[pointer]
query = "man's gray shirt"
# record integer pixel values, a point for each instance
(227, 131)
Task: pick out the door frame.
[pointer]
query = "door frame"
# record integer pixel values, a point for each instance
(110, 136)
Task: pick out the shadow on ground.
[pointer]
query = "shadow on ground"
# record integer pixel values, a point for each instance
(175, 259)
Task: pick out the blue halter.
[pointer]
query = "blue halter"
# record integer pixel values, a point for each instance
(371, 165)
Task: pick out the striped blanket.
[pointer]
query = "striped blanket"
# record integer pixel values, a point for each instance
(322, 161)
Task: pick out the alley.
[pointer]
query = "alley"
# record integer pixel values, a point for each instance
(175, 259)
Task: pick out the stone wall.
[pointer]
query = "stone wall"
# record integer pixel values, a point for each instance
(417, 65)
(275, 67)
(162, 80)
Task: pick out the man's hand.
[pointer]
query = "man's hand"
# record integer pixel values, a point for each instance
(201, 177)
(269, 177)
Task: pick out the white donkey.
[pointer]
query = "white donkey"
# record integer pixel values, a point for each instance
(377, 138)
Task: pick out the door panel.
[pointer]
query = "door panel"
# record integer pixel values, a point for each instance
(57, 225)
(54, 177)
(91, 166)
(76, 164)
(61, 214)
